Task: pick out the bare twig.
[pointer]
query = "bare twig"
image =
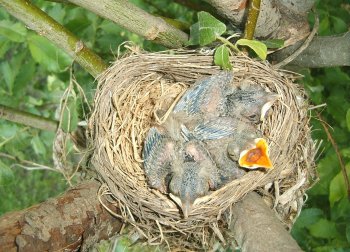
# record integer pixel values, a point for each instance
(306, 43)
(28, 119)
(336, 149)
(253, 14)
(27, 165)
(43, 24)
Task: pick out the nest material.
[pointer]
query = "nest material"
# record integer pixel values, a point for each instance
(135, 87)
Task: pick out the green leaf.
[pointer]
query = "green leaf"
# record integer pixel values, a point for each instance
(194, 34)
(348, 232)
(337, 189)
(70, 115)
(258, 47)
(338, 24)
(38, 146)
(221, 57)
(323, 229)
(46, 54)
(5, 45)
(274, 43)
(348, 119)
(15, 32)
(8, 75)
(5, 172)
(308, 217)
(209, 28)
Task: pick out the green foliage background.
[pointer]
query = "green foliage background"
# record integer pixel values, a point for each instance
(34, 75)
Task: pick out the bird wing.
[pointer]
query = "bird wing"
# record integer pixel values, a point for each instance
(196, 98)
(215, 128)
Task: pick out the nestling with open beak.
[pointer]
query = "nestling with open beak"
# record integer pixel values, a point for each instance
(243, 142)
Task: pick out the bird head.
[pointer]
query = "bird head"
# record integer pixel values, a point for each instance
(251, 102)
(188, 185)
(256, 155)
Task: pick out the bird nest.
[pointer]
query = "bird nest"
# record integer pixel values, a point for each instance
(136, 86)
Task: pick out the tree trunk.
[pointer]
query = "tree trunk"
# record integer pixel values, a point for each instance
(76, 220)
(256, 228)
(71, 222)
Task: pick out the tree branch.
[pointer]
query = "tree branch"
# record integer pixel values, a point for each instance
(253, 13)
(136, 20)
(71, 222)
(28, 119)
(256, 228)
(275, 19)
(325, 51)
(43, 24)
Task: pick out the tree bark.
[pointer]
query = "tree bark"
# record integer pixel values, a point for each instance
(256, 228)
(71, 222)
(283, 19)
(27, 119)
(325, 51)
(136, 20)
(76, 220)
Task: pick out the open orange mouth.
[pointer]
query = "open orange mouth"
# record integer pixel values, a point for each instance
(257, 156)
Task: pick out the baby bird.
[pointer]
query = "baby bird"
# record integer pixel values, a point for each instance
(193, 175)
(158, 153)
(228, 169)
(206, 98)
(250, 101)
(244, 142)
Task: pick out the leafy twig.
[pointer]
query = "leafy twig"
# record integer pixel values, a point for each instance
(28, 119)
(228, 43)
(253, 14)
(336, 149)
(43, 24)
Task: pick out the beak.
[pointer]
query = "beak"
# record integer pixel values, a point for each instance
(186, 205)
(257, 156)
(186, 208)
(271, 98)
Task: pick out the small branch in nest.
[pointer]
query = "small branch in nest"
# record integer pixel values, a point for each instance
(253, 14)
(305, 45)
(336, 149)
(27, 119)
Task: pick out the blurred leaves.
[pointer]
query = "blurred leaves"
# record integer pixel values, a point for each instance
(47, 54)
(69, 120)
(15, 32)
(328, 200)
(337, 189)
(274, 43)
